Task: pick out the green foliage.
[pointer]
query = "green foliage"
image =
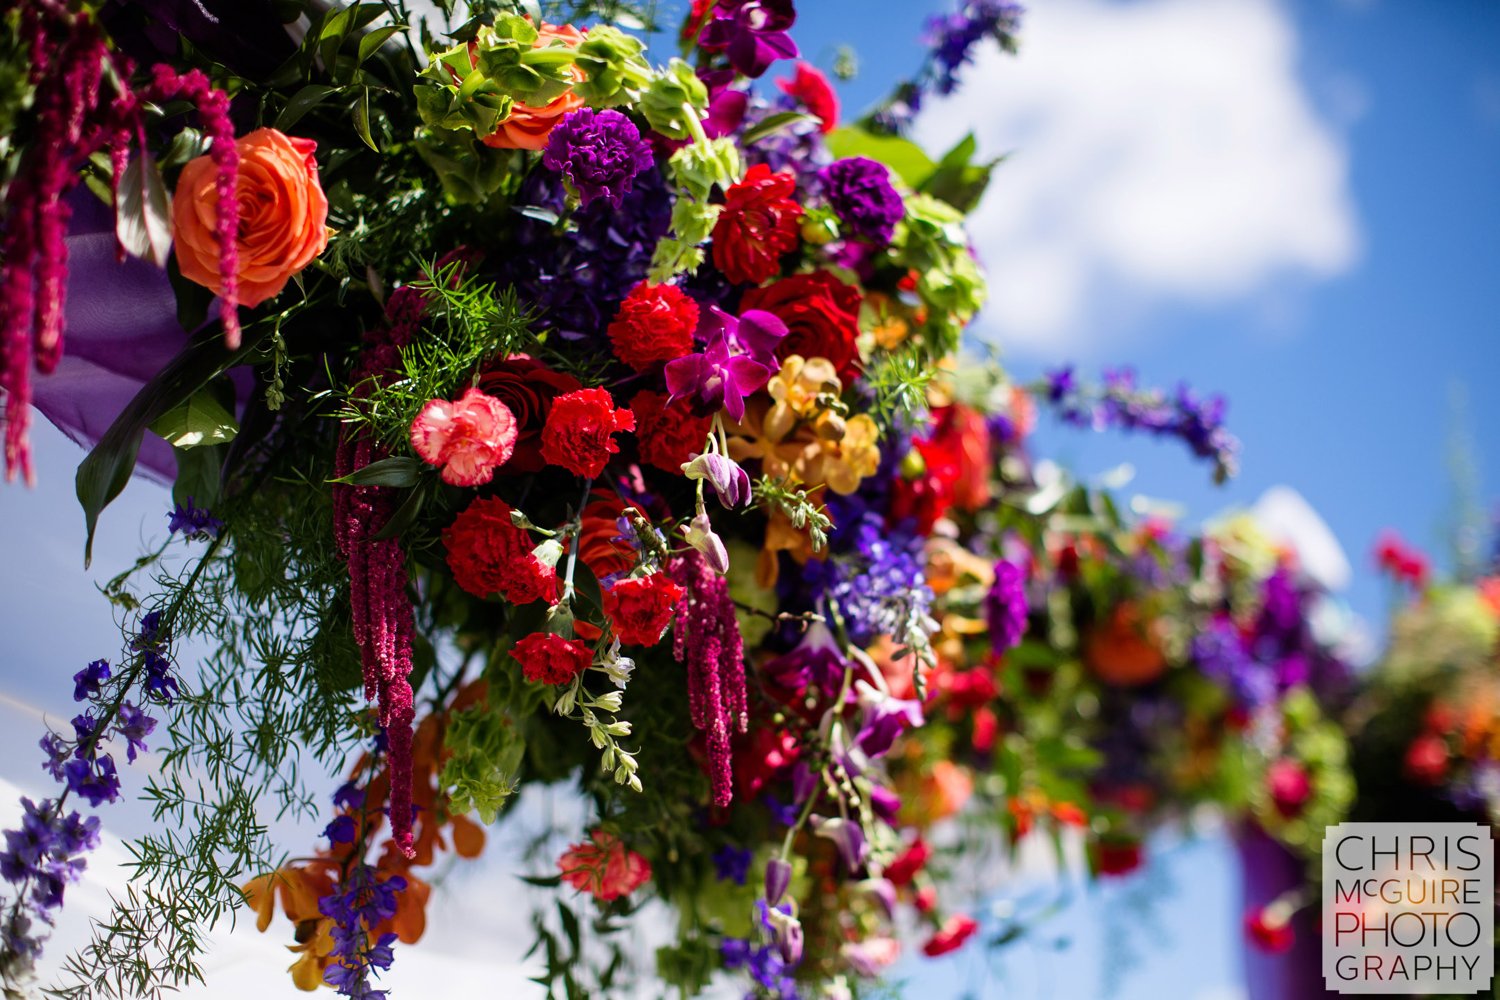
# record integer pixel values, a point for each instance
(797, 505)
(898, 381)
(469, 322)
(271, 699)
(484, 768)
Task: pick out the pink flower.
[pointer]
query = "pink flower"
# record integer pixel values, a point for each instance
(469, 438)
(604, 867)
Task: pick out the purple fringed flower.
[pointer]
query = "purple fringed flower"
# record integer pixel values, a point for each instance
(1005, 607)
(859, 191)
(44, 855)
(133, 725)
(952, 37)
(732, 864)
(753, 33)
(361, 902)
(599, 152)
(1121, 404)
(877, 586)
(87, 681)
(192, 522)
(1221, 655)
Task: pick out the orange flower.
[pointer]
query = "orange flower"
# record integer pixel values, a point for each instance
(283, 216)
(299, 889)
(528, 127)
(1124, 650)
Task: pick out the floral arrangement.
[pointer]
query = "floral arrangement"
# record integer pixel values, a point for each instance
(540, 412)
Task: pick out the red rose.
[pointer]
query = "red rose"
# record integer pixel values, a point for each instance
(490, 555)
(952, 936)
(669, 435)
(655, 323)
(551, 659)
(579, 433)
(759, 224)
(1273, 936)
(640, 607)
(821, 314)
(600, 546)
(812, 89)
(528, 387)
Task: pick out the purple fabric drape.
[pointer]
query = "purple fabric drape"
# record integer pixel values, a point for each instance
(120, 329)
(1267, 870)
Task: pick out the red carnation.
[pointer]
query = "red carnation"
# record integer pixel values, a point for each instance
(655, 323)
(579, 432)
(669, 435)
(551, 659)
(812, 89)
(821, 314)
(954, 933)
(906, 864)
(489, 555)
(759, 224)
(528, 387)
(1118, 857)
(1269, 935)
(641, 607)
(600, 546)
(1427, 759)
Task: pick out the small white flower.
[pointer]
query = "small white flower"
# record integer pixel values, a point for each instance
(618, 668)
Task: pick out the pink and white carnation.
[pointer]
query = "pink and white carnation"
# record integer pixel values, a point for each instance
(469, 438)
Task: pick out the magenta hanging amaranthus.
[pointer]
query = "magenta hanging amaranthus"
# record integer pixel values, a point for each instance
(75, 118)
(706, 638)
(379, 603)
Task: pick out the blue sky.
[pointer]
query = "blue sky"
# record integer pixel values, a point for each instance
(1293, 204)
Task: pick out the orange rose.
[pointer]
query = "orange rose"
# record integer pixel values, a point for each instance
(1125, 650)
(528, 127)
(283, 216)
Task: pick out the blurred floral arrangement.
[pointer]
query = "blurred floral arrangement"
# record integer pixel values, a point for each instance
(539, 413)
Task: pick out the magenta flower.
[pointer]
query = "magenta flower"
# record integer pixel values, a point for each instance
(753, 32)
(716, 378)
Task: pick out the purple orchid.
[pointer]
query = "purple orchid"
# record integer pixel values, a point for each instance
(847, 836)
(730, 482)
(778, 879)
(753, 33)
(884, 719)
(717, 378)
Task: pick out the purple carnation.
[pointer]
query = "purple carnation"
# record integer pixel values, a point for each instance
(1005, 606)
(860, 193)
(600, 153)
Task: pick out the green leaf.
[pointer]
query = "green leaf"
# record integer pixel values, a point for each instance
(569, 924)
(404, 516)
(542, 881)
(143, 211)
(198, 476)
(200, 420)
(302, 102)
(106, 469)
(371, 43)
(771, 124)
(398, 471)
(362, 119)
(903, 156)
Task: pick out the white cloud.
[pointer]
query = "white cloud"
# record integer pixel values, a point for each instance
(1164, 150)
